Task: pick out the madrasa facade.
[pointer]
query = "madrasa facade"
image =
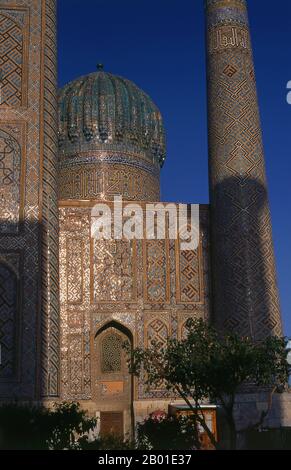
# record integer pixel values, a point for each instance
(68, 300)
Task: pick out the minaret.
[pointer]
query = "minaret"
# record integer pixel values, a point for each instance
(29, 297)
(245, 292)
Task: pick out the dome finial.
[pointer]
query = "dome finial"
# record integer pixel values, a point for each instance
(100, 67)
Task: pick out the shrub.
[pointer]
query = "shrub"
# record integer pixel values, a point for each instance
(110, 442)
(27, 427)
(23, 427)
(165, 433)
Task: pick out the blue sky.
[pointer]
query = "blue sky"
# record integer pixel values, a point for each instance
(159, 44)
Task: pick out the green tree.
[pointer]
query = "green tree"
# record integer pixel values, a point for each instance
(205, 365)
(23, 427)
(165, 433)
(68, 423)
(28, 427)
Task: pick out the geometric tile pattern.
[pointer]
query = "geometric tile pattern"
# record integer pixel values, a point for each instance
(144, 285)
(8, 321)
(49, 205)
(74, 273)
(157, 333)
(157, 272)
(230, 70)
(13, 36)
(245, 291)
(12, 163)
(75, 364)
(37, 241)
(75, 304)
(49, 208)
(113, 271)
(111, 353)
(27, 240)
(188, 276)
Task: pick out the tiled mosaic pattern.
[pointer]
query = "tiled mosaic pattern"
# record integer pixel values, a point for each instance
(12, 167)
(157, 333)
(111, 140)
(101, 108)
(110, 176)
(156, 266)
(37, 241)
(113, 271)
(189, 278)
(244, 281)
(226, 12)
(75, 271)
(13, 56)
(49, 212)
(126, 282)
(111, 352)
(9, 324)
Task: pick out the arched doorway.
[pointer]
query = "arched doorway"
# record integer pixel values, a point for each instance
(113, 391)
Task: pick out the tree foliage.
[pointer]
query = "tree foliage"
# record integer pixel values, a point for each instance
(205, 365)
(165, 433)
(68, 424)
(27, 427)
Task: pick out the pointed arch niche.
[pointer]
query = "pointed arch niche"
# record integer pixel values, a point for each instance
(111, 380)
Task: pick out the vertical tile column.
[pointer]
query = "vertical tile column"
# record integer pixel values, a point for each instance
(244, 279)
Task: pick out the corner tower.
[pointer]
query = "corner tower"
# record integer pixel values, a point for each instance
(244, 280)
(29, 317)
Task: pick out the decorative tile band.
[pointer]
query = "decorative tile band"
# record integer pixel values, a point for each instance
(106, 180)
(228, 37)
(50, 341)
(227, 12)
(110, 159)
(14, 26)
(12, 168)
(219, 3)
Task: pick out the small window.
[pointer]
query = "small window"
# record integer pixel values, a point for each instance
(111, 351)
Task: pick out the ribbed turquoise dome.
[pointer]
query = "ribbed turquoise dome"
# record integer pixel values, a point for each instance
(104, 111)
